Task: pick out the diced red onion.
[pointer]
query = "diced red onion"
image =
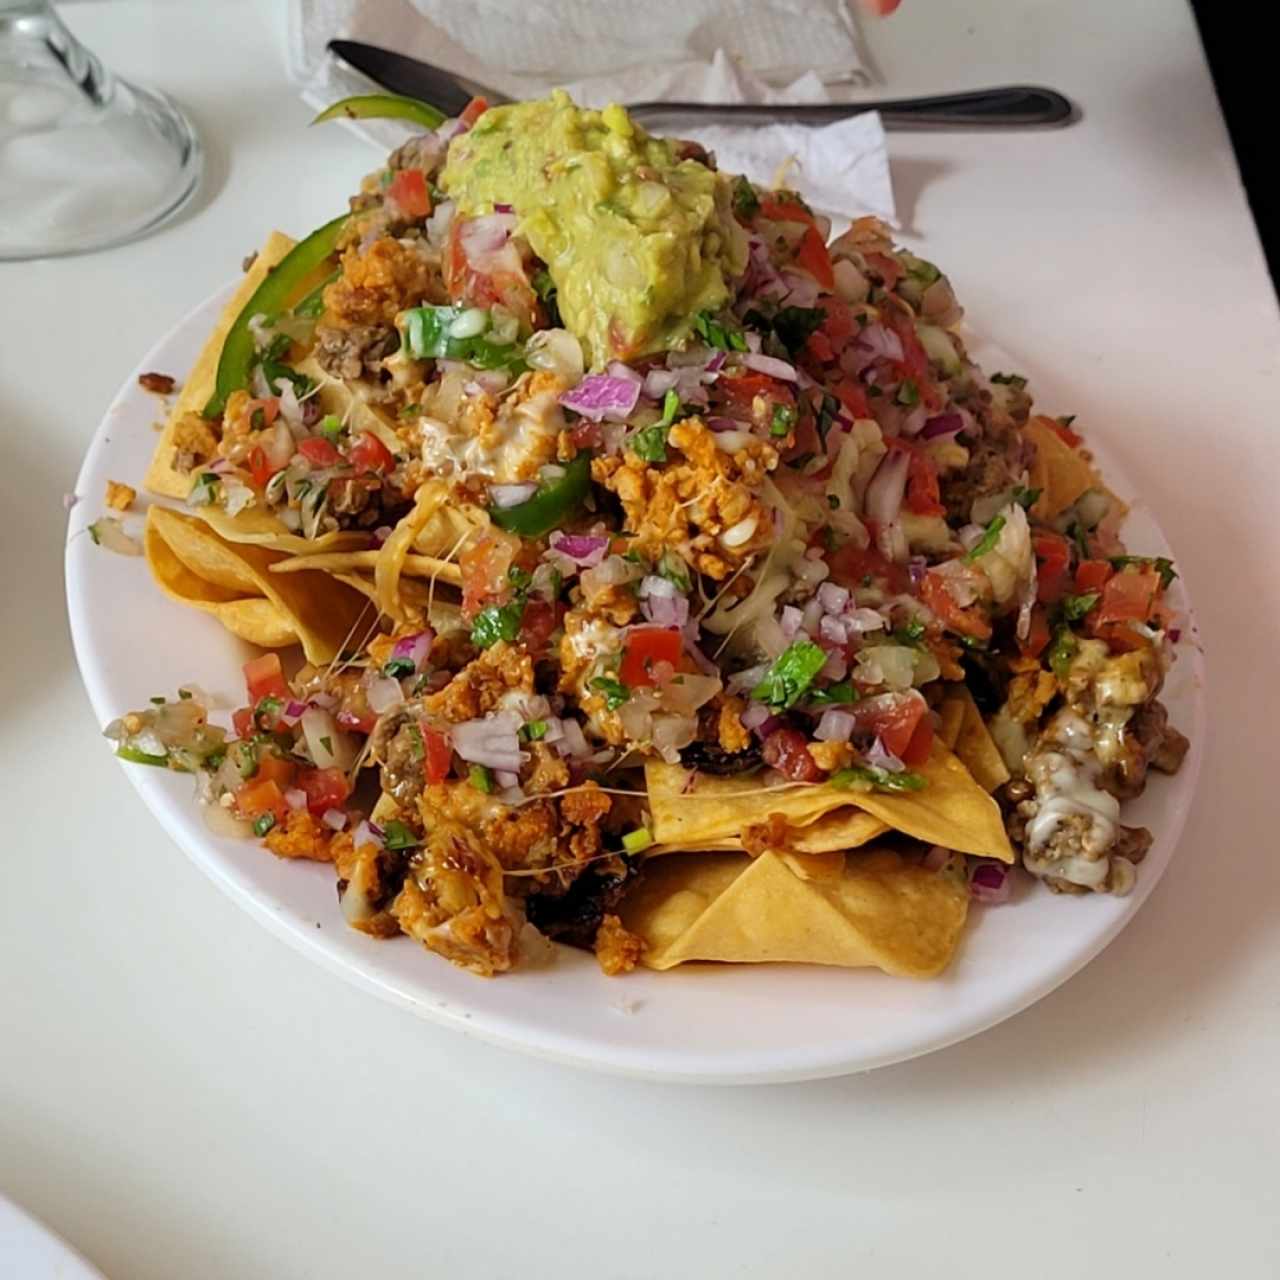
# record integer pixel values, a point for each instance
(990, 882)
(790, 620)
(292, 711)
(599, 396)
(503, 208)
(616, 369)
(770, 366)
(884, 493)
(657, 382)
(833, 630)
(724, 424)
(700, 660)
(295, 798)
(747, 679)
(485, 234)
(755, 715)
(1174, 634)
(506, 779)
(584, 549)
(415, 647)
(941, 424)
(366, 833)
(861, 620)
(913, 421)
(881, 342)
(835, 725)
(917, 567)
(492, 742)
(654, 585)
(383, 693)
(802, 290)
(382, 533)
(836, 666)
(716, 363)
(766, 727)
(572, 742)
(511, 495)
(334, 819)
(666, 611)
(833, 598)
(880, 757)
(811, 618)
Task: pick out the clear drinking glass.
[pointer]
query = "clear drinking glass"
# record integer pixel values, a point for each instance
(86, 160)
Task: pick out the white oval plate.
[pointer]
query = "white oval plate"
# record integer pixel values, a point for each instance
(30, 1250)
(722, 1024)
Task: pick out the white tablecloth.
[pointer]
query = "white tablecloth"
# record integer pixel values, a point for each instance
(185, 1096)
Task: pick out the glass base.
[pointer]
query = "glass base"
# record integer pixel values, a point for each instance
(86, 160)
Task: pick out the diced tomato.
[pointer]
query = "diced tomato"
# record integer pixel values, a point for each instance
(853, 397)
(242, 722)
(264, 678)
(812, 256)
(439, 756)
(1038, 636)
(784, 208)
(274, 768)
(1053, 565)
(260, 467)
(540, 619)
(257, 797)
(368, 453)
(1128, 597)
(787, 750)
(484, 566)
(319, 452)
(742, 389)
(644, 648)
(586, 435)
(819, 347)
(473, 111)
(409, 191)
(1061, 430)
(325, 788)
(270, 407)
(923, 496)
(966, 622)
(839, 324)
(921, 745)
(851, 566)
(1092, 575)
(359, 721)
(893, 718)
(887, 268)
(915, 360)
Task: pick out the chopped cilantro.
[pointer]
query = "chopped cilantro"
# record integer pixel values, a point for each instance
(497, 622)
(650, 443)
(827, 415)
(1162, 563)
(481, 779)
(534, 730)
(263, 823)
(908, 393)
(1014, 380)
(921, 270)
(911, 633)
(327, 743)
(670, 407)
(988, 540)
(331, 428)
(1062, 652)
(395, 835)
(1075, 607)
(718, 335)
(784, 418)
(1081, 538)
(615, 692)
(676, 572)
(874, 392)
(790, 675)
(869, 778)
(184, 694)
(795, 325)
(833, 502)
(746, 204)
(519, 578)
(1066, 419)
(267, 712)
(1026, 498)
(841, 693)
(397, 667)
(156, 702)
(800, 461)
(417, 749)
(545, 288)
(409, 411)
(203, 493)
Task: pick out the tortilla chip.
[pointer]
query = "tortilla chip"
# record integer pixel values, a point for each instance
(1060, 472)
(972, 742)
(163, 477)
(260, 528)
(444, 614)
(951, 810)
(414, 566)
(322, 614)
(876, 911)
(256, 620)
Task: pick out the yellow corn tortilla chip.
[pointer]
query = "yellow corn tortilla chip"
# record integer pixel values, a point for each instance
(973, 743)
(951, 714)
(260, 528)
(415, 566)
(443, 614)
(875, 911)
(163, 477)
(325, 615)
(951, 809)
(1060, 472)
(254, 619)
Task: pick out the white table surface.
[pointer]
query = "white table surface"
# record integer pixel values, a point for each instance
(183, 1095)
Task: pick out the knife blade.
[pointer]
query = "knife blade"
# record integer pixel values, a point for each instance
(414, 79)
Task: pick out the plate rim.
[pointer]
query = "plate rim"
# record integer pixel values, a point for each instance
(551, 1044)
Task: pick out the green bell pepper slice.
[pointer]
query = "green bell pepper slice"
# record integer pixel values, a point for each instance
(134, 756)
(270, 298)
(549, 506)
(383, 106)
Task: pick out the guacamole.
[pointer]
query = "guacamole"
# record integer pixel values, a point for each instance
(637, 241)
